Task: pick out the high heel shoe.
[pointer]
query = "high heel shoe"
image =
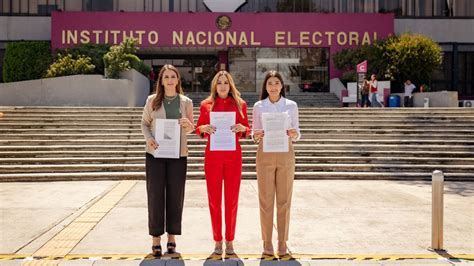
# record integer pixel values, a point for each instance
(218, 248)
(282, 249)
(229, 248)
(171, 247)
(268, 248)
(156, 251)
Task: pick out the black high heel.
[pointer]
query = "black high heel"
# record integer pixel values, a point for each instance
(171, 246)
(156, 251)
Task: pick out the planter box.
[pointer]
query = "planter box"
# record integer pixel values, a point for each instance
(79, 90)
(437, 98)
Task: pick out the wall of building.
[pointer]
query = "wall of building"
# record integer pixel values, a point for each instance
(441, 30)
(25, 28)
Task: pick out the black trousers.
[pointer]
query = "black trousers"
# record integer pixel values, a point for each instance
(165, 181)
(408, 101)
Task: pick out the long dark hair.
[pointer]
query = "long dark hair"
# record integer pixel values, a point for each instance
(271, 74)
(160, 89)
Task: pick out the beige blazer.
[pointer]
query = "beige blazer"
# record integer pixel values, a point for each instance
(149, 117)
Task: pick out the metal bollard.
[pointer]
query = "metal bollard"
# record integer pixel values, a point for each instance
(437, 210)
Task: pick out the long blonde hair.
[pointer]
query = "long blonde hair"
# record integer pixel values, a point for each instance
(233, 92)
(160, 89)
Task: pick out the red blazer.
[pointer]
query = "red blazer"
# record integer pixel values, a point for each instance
(223, 105)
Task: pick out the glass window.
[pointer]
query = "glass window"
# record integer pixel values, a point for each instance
(303, 69)
(286, 5)
(268, 6)
(302, 6)
(15, 6)
(24, 8)
(442, 79)
(201, 7)
(466, 73)
(242, 66)
(99, 5)
(423, 8)
(46, 7)
(250, 6)
(73, 5)
(441, 8)
(323, 6)
(390, 6)
(463, 8)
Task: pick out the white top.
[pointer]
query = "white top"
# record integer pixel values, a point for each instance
(409, 89)
(282, 106)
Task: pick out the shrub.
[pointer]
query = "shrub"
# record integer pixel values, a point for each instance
(95, 51)
(138, 64)
(68, 65)
(122, 57)
(26, 60)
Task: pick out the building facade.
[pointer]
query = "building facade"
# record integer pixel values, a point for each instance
(305, 60)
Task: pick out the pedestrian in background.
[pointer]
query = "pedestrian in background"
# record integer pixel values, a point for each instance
(409, 88)
(374, 102)
(364, 93)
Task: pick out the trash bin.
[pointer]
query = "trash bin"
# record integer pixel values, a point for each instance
(394, 101)
(426, 102)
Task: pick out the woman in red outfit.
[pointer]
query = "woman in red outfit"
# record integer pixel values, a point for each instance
(223, 167)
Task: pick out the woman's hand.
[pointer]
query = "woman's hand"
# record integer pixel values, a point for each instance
(152, 143)
(209, 129)
(238, 128)
(258, 135)
(186, 124)
(292, 133)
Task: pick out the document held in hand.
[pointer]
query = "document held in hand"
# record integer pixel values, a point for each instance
(223, 139)
(168, 137)
(274, 128)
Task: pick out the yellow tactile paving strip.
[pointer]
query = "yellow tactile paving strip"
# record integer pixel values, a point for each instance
(371, 257)
(62, 243)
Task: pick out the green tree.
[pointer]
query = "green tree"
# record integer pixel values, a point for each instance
(413, 57)
(396, 58)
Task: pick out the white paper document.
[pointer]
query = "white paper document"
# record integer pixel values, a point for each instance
(223, 139)
(274, 128)
(168, 137)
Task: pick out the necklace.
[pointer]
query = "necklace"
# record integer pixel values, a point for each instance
(169, 99)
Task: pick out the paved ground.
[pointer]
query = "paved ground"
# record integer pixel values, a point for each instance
(332, 223)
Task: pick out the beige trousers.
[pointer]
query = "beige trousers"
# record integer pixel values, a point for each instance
(275, 174)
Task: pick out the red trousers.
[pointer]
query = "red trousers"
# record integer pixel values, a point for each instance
(223, 168)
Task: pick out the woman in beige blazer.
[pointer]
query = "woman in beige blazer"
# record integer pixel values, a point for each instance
(166, 177)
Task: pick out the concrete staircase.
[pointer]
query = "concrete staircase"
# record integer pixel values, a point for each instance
(70, 143)
(304, 99)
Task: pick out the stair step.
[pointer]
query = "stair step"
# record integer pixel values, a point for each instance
(247, 159)
(348, 147)
(55, 168)
(245, 153)
(315, 136)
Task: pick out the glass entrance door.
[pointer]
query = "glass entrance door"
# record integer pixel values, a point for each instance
(196, 71)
